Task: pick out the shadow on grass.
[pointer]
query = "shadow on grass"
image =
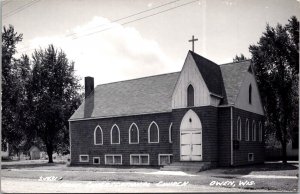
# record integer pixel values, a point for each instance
(30, 165)
(244, 170)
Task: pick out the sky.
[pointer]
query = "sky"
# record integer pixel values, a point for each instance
(114, 40)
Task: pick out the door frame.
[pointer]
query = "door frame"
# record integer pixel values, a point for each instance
(191, 129)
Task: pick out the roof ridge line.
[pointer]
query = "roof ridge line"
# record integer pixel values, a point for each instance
(137, 78)
(235, 62)
(204, 57)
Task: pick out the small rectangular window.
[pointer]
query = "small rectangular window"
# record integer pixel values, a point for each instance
(250, 157)
(84, 158)
(96, 160)
(139, 159)
(113, 159)
(164, 159)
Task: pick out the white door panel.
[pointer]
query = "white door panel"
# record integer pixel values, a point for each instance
(196, 150)
(196, 158)
(196, 138)
(186, 138)
(191, 137)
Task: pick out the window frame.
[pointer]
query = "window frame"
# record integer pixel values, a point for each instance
(253, 130)
(153, 122)
(170, 133)
(111, 134)
(260, 132)
(188, 94)
(96, 158)
(250, 94)
(95, 137)
(80, 159)
(113, 155)
(159, 155)
(247, 130)
(138, 134)
(239, 129)
(252, 157)
(140, 160)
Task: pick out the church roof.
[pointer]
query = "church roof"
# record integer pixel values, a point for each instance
(138, 96)
(233, 76)
(154, 94)
(210, 72)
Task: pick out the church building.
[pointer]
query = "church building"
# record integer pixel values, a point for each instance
(206, 113)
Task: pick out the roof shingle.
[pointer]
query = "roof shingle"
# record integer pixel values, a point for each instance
(138, 96)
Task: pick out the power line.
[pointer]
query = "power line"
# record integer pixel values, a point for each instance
(6, 2)
(135, 14)
(19, 9)
(125, 23)
(137, 19)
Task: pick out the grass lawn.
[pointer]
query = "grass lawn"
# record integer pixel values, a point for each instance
(152, 175)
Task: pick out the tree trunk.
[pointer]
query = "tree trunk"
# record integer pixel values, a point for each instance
(284, 156)
(49, 152)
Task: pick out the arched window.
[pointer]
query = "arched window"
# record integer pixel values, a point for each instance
(133, 134)
(170, 133)
(250, 94)
(153, 133)
(190, 96)
(253, 131)
(115, 134)
(260, 133)
(239, 129)
(247, 130)
(98, 136)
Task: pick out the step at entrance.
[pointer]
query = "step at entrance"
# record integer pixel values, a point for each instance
(187, 166)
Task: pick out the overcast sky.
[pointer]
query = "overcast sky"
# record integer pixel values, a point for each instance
(93, 35)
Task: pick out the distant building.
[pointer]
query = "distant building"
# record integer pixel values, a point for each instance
(5, 151)
(34, 153)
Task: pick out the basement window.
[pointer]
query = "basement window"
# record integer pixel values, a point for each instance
(164, 159)
(96, 160)
(250, 157)
(84, 158)
(139, 159)
(113, 159)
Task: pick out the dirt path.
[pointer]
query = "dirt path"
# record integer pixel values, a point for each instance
(13, 185)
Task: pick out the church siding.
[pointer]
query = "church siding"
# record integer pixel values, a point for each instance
(82, 138)
(256, 147)
(208, 116)
(224, 137)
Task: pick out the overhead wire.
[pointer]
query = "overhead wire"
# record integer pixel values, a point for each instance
(19, 9)
(126, 17)
(125, 23)
(128, 22)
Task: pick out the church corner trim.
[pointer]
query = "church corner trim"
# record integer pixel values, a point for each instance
(231, 135)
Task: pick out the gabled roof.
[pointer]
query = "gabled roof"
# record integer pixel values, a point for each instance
(233, 76)
(210, 72)
(138, 96)
(154, 94)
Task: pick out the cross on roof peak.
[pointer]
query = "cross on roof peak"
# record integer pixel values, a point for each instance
(193, 40)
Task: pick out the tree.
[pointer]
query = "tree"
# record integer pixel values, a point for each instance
(275, 59)
(239, 58)
(15, 75)
(54, 90)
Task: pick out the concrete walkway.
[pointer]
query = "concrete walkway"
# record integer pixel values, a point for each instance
(257, 176)
(11, 185)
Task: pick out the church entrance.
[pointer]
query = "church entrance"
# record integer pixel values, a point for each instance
(190, 137)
